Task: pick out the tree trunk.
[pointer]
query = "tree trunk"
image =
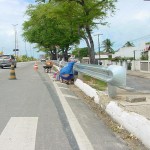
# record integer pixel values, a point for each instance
(53, 54)
(88, 45)
(66, 53)
(91, 45)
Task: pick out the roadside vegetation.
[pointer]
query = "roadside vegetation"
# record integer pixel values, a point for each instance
(25, 58)
(95, 83)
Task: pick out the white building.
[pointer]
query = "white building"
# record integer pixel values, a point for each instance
(102, 57)
(134, 52)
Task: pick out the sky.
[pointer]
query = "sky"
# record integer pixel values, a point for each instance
(131, 22)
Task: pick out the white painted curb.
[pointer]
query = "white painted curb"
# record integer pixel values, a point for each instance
(88, 90)
(134, 123)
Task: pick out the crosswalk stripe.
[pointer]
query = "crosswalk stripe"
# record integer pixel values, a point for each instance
(19, 134)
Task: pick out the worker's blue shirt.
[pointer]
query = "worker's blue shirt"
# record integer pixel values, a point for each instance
(68, 69)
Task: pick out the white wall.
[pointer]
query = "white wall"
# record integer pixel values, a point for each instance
(101, 56)
(135, 65)
(128, 52)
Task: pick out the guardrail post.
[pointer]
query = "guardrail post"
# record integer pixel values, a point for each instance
(112, 90)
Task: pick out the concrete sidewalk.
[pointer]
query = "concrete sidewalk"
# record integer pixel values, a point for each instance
(143, 107)
(133, 116)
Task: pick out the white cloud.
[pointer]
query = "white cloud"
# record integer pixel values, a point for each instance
(143, 16)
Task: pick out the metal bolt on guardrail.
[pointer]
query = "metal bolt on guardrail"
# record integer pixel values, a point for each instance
(115, 76)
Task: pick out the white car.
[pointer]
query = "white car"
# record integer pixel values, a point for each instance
(43, 60)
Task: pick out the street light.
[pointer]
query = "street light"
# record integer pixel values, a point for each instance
(14, 25)
(98, 44)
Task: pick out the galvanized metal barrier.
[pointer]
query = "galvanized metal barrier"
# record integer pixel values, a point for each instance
(115, 76)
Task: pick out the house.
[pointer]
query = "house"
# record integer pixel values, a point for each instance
(146, 51)
(143, 51)
(97, 57)
(134, 52)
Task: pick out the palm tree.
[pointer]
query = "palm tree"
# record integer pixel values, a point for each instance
(128, 44)
(107, 44)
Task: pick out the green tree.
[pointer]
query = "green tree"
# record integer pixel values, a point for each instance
(128, 44)
(49, 30)
(86, 12)
(144, 56)
(72, 18)
(80, 52)
(107, 45)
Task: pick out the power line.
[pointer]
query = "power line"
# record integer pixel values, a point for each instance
(135, 40)
(147, 36)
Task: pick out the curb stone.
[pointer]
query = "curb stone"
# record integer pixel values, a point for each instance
(136, 124)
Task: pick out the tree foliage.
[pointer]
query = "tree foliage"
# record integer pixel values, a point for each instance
(91, 10)
(49, 30)
(80, 52)
(128, 44)
(107, 45)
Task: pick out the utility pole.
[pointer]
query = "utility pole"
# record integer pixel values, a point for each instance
(134, 54)
(98, 44)
(25, 48)
(14, 25)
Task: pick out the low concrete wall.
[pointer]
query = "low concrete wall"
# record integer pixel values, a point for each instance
(135, 65)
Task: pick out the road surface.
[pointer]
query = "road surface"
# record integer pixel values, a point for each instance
(38, 114)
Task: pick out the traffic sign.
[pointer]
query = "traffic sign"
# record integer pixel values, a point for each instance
(15, 49)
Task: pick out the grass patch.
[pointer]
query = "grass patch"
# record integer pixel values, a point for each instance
(95, 83)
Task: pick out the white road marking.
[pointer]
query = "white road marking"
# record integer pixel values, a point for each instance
(19, 134)
(70, 96)
(81, 138)
(63, 88)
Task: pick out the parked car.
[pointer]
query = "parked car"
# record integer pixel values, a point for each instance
(43, 60)
(7, 61)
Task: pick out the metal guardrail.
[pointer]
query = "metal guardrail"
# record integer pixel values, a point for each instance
(114, 75)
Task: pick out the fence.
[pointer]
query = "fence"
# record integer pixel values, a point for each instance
(145, 66)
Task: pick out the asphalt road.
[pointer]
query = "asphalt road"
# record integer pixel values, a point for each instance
(39, 114)
(138, 83)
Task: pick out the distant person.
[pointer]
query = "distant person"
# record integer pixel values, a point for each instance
(61, 63)
(49, 63)
(100, 63)
(48, 66)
